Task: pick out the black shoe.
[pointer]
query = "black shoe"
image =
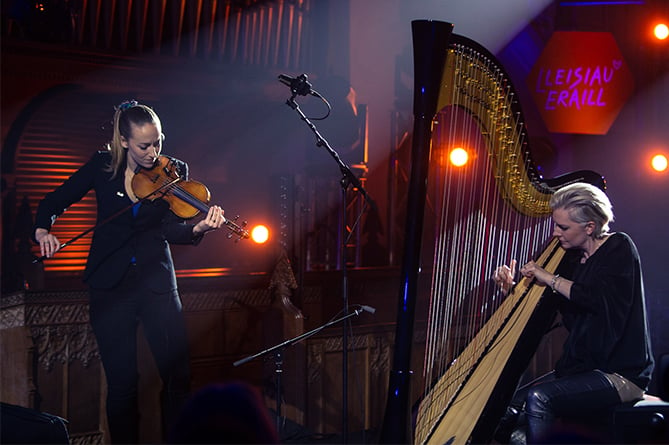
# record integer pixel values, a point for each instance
(507, 425)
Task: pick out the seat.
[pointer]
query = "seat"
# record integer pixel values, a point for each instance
(645, 421)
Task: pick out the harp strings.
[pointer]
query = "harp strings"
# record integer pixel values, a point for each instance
(478, 223)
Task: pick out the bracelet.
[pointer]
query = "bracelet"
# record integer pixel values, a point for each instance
(554, 283)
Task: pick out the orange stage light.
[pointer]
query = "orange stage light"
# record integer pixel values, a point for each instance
(459, 156)
(661, 31)
(659, 163)
(260, 234)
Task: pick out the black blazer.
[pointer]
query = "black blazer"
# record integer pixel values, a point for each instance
(142, 239)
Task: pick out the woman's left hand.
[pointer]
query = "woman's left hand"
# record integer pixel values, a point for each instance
(214, 220)
(532, 270)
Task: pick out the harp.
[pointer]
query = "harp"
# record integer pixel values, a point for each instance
(484, 214)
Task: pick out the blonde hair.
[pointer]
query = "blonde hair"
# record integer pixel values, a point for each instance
(128, 113)
(585, 203)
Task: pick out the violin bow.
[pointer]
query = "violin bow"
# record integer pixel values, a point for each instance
(115, 215)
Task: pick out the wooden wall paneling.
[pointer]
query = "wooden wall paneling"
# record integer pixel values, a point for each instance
(17, 384)
(368, 371)
(49, 353)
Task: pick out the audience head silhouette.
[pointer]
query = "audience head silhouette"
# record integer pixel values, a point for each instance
(225, 413)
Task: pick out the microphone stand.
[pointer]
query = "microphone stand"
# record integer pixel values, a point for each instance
(302, 87)
(278, 356)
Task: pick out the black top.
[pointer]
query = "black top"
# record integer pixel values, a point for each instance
(141, 239)
(606, 316)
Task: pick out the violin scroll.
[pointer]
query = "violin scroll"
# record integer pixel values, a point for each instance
(237, 229)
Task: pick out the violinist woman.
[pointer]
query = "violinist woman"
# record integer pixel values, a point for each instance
(129, 269)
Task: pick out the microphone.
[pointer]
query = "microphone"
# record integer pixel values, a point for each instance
(298, 85)
(369, 309)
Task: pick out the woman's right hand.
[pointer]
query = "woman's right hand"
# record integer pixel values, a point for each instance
(48, 243)
(503, 277)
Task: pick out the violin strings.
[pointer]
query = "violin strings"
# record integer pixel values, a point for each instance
(181, 190)
(185, 194)
(193, 199)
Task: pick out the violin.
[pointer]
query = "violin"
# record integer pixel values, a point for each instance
(186, 198)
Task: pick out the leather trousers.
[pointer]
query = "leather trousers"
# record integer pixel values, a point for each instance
(539, 404)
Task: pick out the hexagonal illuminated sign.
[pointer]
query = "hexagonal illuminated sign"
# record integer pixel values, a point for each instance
(580, 82)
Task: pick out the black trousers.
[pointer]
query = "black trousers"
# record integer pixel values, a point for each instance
(114, 316)
(541, 402)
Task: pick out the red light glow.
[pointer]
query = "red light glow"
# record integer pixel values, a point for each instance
(205, 272)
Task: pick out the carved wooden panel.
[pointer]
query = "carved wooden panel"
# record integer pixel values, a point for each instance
(50, 361)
